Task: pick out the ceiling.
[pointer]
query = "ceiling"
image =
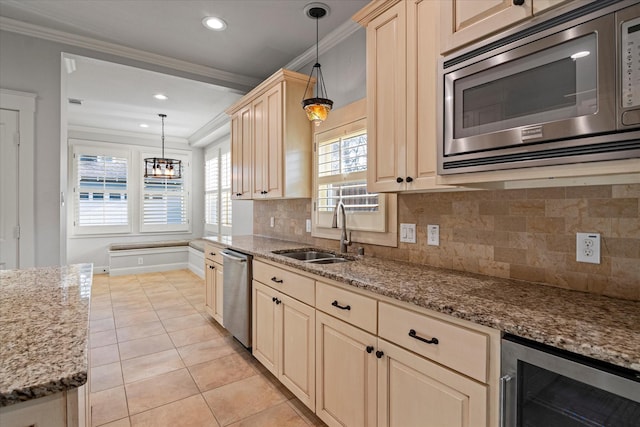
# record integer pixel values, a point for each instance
(261, 37)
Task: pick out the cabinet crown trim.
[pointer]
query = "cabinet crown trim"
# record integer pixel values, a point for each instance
(372, 10)
(282, 75)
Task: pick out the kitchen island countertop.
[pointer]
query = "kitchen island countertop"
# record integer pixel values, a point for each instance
(596, 326)
(44, 331)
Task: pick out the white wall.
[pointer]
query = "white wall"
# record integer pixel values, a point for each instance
(31, 64)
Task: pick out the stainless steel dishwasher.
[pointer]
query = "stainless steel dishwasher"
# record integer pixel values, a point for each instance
(236, 312)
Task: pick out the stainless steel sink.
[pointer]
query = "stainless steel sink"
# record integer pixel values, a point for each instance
(312, 256)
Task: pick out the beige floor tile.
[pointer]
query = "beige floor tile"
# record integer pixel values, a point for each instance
(208, 350)
(305, 413)
(120, 423)
(188, 293)
(106, 376)
(157, 391)
(190, 412)
(108, 405)
(132, 308)
(160, 303)
(103, 313)
(151, 365)
(104, 355)
(184, 322)
(241, 399)
(100, 339)
(144, 346)
(140, 330)
(102, 324)
(277, 416)
(176, 311)
(219, 372)
(135, 318)
(194, 335)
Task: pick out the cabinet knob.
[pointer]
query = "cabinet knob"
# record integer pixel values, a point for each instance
(518, 2)
(238, 194)
(369, 349)
(278, 301)
(212, 267)
(409, 179)
(399, 180)
(379, 354)
(274, 299)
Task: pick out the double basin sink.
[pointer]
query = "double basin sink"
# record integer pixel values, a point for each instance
(314, 256)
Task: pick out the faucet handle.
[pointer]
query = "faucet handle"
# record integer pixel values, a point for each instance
(348, 241)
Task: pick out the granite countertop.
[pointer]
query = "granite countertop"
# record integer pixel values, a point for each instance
(592, 325)
(44, 331)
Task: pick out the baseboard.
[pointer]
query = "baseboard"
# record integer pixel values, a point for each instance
(147, 269)
(196, 262)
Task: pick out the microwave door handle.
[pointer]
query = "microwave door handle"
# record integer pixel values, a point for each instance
(504, 388)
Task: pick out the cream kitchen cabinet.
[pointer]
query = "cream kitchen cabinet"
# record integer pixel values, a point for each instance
(214, 282)
(241, 164)
(271, 140)
(465, 21)
(283, 329)
(402, 53)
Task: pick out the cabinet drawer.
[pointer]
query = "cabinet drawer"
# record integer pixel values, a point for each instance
(461, 349)
(212, 252)
(361, 311)
(287, 282)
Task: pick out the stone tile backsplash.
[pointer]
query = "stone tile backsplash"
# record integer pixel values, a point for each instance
(527, 234)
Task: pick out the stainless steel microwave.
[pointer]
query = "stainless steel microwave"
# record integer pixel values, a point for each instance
(560, 91)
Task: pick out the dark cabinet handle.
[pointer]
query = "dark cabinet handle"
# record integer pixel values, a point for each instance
(212, 267)
(379, 354)
(369, 349)
(412, 334)
(341, 307)
(399, 180)
(263, 192)
(275, 279)
(212, 253)
(274, 299)
(518, 2)
(278, 301)
(409, 179)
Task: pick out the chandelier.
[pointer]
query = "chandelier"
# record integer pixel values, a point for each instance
(161, 167)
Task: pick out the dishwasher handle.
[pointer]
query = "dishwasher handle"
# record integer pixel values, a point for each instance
(232, 257)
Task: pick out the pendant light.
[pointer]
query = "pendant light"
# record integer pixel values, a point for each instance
(317, 108)
(161, 167)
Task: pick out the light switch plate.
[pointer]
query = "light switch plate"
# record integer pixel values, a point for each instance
(408, 233)
(588, 247)
(433, 235)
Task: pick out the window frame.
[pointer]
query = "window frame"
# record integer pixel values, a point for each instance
(218, 151)
(78, 150)
(342, 122)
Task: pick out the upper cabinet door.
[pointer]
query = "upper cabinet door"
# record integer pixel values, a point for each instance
(386, 99)
(465, 21)
(274, 144)
(241, 161)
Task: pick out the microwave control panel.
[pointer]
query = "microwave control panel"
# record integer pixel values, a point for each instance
(631, 63)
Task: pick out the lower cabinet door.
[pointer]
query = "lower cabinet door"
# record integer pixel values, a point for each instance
(218, 291)
(264, 322)
(297, 361)
(210, 288)
(413, 391)
(345, 373)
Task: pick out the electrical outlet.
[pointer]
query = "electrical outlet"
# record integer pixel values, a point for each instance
(140, 260)
(588, 247)
(272, 222)
(408, 233)
(308, 226)
(433, 235)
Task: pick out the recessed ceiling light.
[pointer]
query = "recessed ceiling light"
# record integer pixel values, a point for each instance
(144, 125)
(214, 23)
(160, 96)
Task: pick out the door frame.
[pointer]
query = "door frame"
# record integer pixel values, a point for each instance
(25, 104)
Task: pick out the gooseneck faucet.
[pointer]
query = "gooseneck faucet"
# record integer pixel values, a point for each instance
(344, 240)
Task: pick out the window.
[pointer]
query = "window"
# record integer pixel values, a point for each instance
(340, 174)
(101, 191)
(342, 169)
(165, 202)
(217, 170)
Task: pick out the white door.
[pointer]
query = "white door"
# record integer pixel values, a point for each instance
(9, 226)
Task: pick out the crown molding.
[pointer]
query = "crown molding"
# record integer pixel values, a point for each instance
(126, 134)
(332, 39)
(236, 81)
(215, 129)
